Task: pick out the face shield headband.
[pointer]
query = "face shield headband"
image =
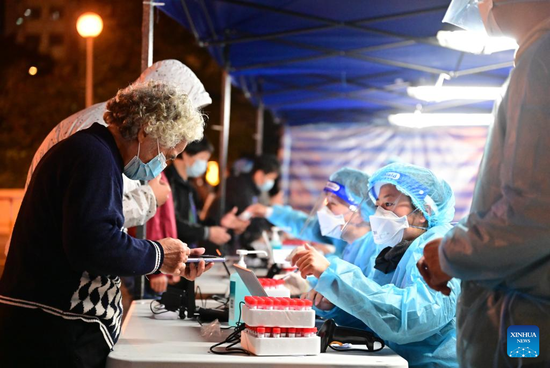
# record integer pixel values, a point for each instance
(331, 224)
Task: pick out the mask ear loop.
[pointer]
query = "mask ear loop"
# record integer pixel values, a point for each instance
(414, 226)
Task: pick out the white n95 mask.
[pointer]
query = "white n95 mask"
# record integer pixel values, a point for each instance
(387, 228)
(331, 224)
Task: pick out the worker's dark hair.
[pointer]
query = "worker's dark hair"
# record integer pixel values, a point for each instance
(266, 163)
(196, 147)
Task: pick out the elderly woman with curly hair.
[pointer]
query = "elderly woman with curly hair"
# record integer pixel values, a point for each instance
(60, 300)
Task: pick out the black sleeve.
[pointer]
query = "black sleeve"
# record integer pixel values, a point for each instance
(189, 232)
(92, 234)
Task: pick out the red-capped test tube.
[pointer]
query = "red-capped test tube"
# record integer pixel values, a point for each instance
(250, 302)
(268, 303)
(260, 332)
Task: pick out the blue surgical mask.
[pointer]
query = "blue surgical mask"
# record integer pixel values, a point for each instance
(197, 169)
(267, 185)
(138, 170)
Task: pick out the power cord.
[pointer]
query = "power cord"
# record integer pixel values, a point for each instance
(158, 309)
(233, 339)
(199, 292)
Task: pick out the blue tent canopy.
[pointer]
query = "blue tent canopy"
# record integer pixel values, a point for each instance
(335, 61)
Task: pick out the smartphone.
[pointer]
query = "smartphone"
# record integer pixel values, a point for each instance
(206, 259)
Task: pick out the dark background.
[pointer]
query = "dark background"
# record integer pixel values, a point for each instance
(30, 106)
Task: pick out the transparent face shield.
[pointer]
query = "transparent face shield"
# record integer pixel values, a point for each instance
(358, 224)
(337, 214)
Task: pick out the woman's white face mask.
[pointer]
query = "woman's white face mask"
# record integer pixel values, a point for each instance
(330, 224)
(387, 228)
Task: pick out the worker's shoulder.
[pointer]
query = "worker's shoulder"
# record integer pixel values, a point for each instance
(537, 55)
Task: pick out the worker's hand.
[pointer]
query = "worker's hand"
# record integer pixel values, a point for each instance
(175, 255)
(231, 221)
(257, 210)
(158, 283)
(194, 270)
(323, 248)
(318, 300)
(310, 262)
(161, 190)
(218, 235)
(430, 269)
(296, 254)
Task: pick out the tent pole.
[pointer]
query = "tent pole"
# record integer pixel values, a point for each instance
(259, 128)
(146, 61)
(224, 136)
(147, 28)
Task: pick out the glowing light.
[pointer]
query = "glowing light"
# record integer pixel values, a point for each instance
(213, 173)
(475, 43)
(420, 120)
(89, 25)
(446, 93)
(33, 70)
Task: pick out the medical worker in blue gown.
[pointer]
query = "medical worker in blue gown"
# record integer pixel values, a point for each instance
(418, 323)
(340, 218)
(501, 250)
(345, 193)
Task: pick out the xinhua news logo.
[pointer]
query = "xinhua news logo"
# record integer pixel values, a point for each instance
(523, 342)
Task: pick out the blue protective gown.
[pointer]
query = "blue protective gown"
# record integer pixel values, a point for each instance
(501, 251)
(415, 321)
(362, 253)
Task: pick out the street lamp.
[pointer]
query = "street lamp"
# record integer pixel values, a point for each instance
(89, 25)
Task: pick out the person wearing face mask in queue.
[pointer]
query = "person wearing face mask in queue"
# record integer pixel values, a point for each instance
(345, 189)
(139, 202)
(500, 250)
(340, 218)
(190, 164)
(242, 191)
(60, 292)
(418, 323)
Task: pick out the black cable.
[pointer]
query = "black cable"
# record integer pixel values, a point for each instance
(233, 339)
(157, 308)
(199, 291)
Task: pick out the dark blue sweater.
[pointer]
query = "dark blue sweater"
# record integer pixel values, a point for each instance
(68, 247)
